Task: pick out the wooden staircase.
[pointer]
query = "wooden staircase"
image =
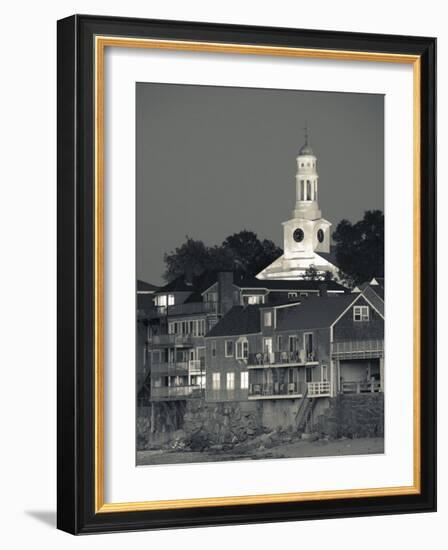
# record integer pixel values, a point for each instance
(304, 413)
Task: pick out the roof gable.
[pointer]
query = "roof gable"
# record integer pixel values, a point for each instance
(238, 321)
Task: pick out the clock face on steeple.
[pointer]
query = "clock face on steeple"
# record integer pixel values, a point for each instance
(298, 235)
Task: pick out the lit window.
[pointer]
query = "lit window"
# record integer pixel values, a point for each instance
(216, 380)
(253, 299)
(324, 373)
(244, 380)
(292, 295)
(229, 348)
(360, 313)
(171, 299)
(213, 348)
(230, 380)
(267, 319)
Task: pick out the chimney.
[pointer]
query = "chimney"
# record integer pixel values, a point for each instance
(225, 291)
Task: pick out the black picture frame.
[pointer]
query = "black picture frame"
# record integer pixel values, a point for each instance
(76, 285)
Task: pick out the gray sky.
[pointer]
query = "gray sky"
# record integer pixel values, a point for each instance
(212, 161)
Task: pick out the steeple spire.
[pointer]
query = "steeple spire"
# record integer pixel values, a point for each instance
(306, 132)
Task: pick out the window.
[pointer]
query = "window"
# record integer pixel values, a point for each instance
(302, 190)
(171, 299)
(293, 343)
(242, 349)
(253, 299)
(279, 343)
(213, 348)
(303, 294)
(230, 380)
(360, 313)
(267, 319)
(324, 373)
(216, 381)
(308, 190)
(309, 346)
(229, 348)
(292, 295)
(267, 345)
(244, 384)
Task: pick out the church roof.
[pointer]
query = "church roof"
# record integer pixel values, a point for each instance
(288, 284)
(306, 150)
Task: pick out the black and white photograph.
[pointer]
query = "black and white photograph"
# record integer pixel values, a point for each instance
(260, 274)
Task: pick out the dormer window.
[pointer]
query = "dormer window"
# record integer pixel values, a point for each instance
(360, 313)
(292, 295)
(253, 299)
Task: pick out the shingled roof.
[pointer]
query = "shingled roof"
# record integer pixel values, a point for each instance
(238, 321)
(314, 312)
(143, 286)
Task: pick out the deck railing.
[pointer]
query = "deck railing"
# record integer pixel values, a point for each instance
(361, 387)
(177, 392)
(183, 309)
(183, 340)
(260, 391)
(299, 357)
(319, 389)
(358, 349)
(196, 366)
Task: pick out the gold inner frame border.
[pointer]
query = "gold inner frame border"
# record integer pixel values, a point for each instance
(100, 44)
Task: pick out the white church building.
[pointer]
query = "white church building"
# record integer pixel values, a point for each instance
(306, 236)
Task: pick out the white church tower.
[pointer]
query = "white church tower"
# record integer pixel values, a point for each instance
(306, 233)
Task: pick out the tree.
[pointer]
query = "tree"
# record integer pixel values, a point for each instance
(194, 257)
(242, 252)
(311, 274)
(360, 248)
(250, 255)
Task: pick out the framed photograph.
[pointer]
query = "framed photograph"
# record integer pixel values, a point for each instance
(246, 274)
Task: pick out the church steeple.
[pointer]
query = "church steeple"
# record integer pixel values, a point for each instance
(306, 183)
(306, 235)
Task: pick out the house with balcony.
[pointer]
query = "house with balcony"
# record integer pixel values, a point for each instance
(184, 310)
(145, 292)
(313, 348)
